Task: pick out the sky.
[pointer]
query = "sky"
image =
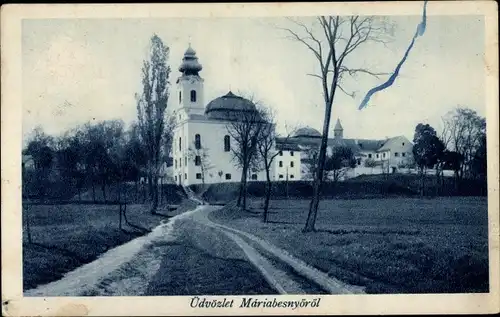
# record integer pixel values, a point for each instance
(76, 70)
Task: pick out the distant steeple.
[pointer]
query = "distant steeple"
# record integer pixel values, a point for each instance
(190, 64)
(338, 131)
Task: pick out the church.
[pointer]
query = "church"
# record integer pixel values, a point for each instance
(201, 147)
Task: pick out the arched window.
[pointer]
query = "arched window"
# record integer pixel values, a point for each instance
(227, 144)
(193, 95)
(180, 143)
(180, 96)
(197, 141)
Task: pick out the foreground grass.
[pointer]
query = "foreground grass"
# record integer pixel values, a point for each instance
(399, 245)
(67, 236)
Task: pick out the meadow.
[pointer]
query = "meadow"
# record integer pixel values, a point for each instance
(66, 236)
(396, 245)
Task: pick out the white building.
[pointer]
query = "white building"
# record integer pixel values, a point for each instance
(201, 148)
(202, 144)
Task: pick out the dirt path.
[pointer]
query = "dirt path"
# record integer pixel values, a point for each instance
(259, 252)
(125, 269)
(192, 255)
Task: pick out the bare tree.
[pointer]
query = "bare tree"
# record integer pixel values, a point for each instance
(266, 148)
(151, 106)
(199, 155)
(244, 128)
(462, 133)
(331, 39)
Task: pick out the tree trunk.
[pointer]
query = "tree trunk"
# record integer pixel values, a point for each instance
(103, 188)
(318, 180)
(93, 191)
(268, 194)
(136, 191)
(154, 194)
(242, 180)
(119, 191)
(120, 216)
(160, 191)
(28, 224)
(150, 185)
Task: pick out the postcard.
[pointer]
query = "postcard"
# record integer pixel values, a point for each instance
(250, 159)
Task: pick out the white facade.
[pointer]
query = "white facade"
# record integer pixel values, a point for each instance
(287, 166)
(220, 166)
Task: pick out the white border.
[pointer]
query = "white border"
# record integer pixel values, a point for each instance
(13, 304)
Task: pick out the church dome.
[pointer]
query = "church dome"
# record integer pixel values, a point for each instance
(190, 64)
(228, 107)
(307, 132)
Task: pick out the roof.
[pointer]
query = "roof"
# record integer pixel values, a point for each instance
(190, 64)
(370, 145)
(391, 142)
(287, 146)
(307, 132)
(338, 126)
(229, 107)
(300, 143)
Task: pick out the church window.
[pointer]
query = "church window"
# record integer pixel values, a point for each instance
(227, 144)
(185, 161)
(176, 178)
(180, 143)
(228, 176)
(197, 141)
(175, 163)
(198, 175)
(185, 176)
(383, 155)
(359, 161)
(280, 176)
(281, 163)
(403, 154)
(369, 156)
(281, 153)
(291, 153)
(193, 95)
(254, 176)
(291, 164)
(197, 160)
(396, 154)
(291, 176)
(403, 144)
(180, 97)
(377, 155)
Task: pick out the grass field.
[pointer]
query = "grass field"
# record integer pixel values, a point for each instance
(67, 236)
(398, 245)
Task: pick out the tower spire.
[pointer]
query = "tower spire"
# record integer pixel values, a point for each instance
(190, 64)
(338, 131)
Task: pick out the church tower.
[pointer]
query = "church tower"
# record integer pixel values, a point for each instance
(338, 131)
(190, 85)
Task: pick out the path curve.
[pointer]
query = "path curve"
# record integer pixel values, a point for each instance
(329, 284)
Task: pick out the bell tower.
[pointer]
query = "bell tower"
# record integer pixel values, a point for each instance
(338, 131)
(190, 85)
